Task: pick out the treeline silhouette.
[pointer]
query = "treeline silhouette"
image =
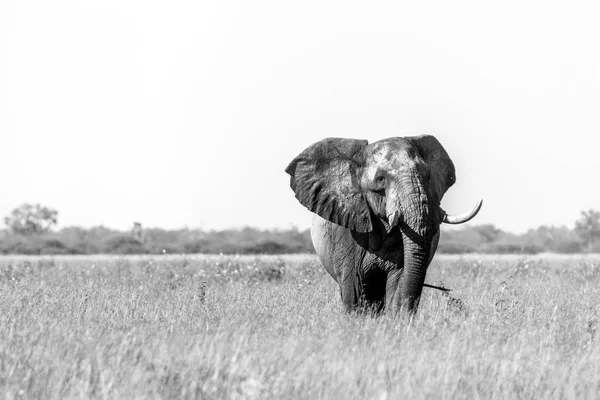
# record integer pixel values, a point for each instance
(101, 240)
(97, 240)
(489, 239)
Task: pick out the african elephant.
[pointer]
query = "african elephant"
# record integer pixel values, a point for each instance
(378, 214)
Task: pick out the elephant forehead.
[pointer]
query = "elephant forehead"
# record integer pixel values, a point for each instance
(392, 153)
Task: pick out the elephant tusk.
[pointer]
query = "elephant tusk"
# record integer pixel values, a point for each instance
(461, 218)
(393, 219)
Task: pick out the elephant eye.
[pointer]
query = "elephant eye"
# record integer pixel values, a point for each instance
(379, 185)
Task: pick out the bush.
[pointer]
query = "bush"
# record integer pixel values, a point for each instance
(568, 247)
(454, 247)
(54, 246)
(265, 247)
(512, 248)
(124, 244)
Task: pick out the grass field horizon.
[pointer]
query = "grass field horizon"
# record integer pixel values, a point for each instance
(255, 327)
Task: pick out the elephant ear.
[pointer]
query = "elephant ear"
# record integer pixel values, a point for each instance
(324, 179)
(440, 164)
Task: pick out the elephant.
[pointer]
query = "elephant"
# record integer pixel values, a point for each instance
(377, 215)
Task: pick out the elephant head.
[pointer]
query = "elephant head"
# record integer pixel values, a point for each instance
(386, 188)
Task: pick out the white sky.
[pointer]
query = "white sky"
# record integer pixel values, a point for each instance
(179, 113)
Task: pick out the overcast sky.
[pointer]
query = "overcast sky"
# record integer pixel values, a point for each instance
(186, 113)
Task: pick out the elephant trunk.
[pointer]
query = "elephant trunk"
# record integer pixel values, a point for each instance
(412, 276)
(406, 284)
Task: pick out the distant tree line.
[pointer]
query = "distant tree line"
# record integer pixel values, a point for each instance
(97, 240)
(29, 231)
(489, 239)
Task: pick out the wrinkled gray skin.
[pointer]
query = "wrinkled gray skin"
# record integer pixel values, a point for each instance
(378, 214)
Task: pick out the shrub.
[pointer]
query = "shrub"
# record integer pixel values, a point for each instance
(124, 244)
(53, 246)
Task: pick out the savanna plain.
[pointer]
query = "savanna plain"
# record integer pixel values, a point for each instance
(259, 327)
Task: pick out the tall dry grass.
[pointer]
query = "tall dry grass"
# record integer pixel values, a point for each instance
(273, 327)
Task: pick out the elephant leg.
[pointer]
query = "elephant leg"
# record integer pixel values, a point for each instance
(351, 289)
(364, 292)
(393, 291)
(374, 290)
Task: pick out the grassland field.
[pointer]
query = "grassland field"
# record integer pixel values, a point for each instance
(272, 327)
